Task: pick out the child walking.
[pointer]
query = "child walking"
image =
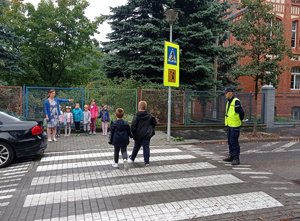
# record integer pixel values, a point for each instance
(143, 128)
(119, 137)
(95, 113)
(104, 115)
(78, 117)
(68, 120)
(86, 119)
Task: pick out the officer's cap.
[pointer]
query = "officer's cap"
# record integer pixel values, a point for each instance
(228, 89)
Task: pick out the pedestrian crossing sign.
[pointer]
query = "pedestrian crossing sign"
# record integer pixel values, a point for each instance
(171, 65)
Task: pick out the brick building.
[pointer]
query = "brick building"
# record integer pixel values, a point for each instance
(288, 91)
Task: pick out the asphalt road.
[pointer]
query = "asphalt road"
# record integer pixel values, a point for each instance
(279, 157)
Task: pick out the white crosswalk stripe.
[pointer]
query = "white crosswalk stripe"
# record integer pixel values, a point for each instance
(5, 197)
(8, 186)
(255, 173)
(44, 180)
(56, 153)
(107, 162)
(272, 147)
(94, 155)
(130, 188)
(187, 209)
(7, 191)
(14, 173)
(283, 147)
(11, 177)
(292, 194)
(4, 204)
(22, 169)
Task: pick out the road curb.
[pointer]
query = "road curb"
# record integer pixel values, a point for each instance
(241, 141)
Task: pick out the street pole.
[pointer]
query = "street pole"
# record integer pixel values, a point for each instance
(171, 16)
(169, 99)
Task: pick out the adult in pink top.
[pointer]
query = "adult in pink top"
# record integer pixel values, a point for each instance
(94, 115)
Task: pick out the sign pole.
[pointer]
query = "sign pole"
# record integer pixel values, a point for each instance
(169, 99)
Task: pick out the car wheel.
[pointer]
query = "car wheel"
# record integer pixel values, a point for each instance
(6, 154)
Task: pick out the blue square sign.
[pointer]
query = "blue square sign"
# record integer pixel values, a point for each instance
(172, 55)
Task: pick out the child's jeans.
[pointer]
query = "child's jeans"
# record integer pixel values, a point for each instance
(68, 129)
(123, 151)
(86, 127)
(104, 127)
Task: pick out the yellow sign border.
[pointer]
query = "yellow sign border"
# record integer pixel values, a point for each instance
(170, 67)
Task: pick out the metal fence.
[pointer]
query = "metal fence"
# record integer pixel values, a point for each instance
(11, 99)
(123, 98)
(188, 107)
(34, 99)
(158, 104)
(202, 107)
(198, 107)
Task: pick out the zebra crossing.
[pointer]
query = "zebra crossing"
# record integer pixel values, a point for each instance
(9, 180)
(183, 182)
(87, 179)
(274, 147)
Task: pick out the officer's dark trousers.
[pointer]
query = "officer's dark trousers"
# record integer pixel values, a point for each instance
(233, 134)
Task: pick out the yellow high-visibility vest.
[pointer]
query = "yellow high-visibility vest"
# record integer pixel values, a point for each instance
(232, 119)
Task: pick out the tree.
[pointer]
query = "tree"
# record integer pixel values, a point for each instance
(139, 30)
(259, 36)
(58, 48)
(9, 53)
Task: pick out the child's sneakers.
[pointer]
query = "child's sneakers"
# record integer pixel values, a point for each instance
(126, 166)
(130, 160)
(115, 165)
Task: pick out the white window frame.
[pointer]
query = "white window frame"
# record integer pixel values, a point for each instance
(294, 33)
(295, 72)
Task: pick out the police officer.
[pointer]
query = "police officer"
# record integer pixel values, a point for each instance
(234, 115)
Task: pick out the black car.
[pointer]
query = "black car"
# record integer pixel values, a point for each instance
(19, 138)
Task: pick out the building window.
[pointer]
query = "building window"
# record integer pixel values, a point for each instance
(295, 78)
(296, 113)
(294, 33)
(295, 1)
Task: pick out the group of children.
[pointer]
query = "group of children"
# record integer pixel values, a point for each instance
(86, 118)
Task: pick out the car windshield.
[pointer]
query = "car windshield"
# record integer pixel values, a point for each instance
(11, 115)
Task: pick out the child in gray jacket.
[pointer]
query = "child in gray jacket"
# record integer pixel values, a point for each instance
(86, 119)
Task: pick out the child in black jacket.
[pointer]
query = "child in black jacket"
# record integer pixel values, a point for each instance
(119, 137)
(143, 128)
